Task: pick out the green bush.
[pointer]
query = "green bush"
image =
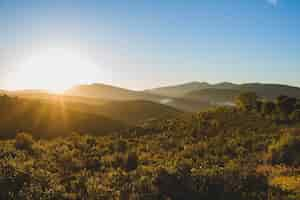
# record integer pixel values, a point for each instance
(286, 150)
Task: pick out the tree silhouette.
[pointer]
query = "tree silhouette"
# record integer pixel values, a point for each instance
(247, 101)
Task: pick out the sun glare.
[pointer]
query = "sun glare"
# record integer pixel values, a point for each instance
(54, 69)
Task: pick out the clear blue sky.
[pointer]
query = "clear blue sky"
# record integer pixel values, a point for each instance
(140, 44)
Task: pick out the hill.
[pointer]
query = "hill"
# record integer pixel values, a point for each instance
(103, 91)
(214, 95)
(111, 93)
(133, 112)
(36, 95)
(189, 97)
(225, 90)
(103, 116)
(137, 111)
(178, 90)
(128, 111)
(188, 104)
(50, 119)
(270, 91)
(220, 154)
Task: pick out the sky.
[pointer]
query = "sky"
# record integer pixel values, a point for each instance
(140, 44)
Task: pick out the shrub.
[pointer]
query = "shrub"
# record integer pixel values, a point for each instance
(247, 101)
(295, 116)
(286, 150)
(120, 146)
(268, 107)
(24, 141)
(131, 161)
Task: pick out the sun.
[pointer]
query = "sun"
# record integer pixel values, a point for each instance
(54, 69)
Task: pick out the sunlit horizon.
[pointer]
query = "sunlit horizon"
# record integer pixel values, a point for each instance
(54, 69)
(142, 44)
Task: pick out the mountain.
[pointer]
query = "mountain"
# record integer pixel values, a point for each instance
(214, 95)
(183, 90)
(104, 91)
(35, 95)
(137, 111)
(223, 85)
(47, 119)
(193, 89)
(178, 90)
(188, 97)
(188, 104)
(271, 91)
(111, 93)
(132, 112)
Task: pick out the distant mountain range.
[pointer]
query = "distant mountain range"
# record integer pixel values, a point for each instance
(269, 91)
(107, 92)
(182, 89)
(104, 91)
(190, 97)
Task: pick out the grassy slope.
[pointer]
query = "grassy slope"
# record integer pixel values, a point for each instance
(131, 112)
(50, 119)
(214, 155)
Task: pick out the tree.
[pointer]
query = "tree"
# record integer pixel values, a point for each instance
(131, 161)
(295, 116)
(259, 105)
(268, 107)
(247, 101)
(286, 150)
(286, 105)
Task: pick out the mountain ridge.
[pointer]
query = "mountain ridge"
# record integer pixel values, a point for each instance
(267, 90)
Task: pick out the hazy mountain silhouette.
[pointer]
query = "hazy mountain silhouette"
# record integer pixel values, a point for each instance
(269, 91)
(190, 97)
(104, 91)
(213, 95)
(178, 90)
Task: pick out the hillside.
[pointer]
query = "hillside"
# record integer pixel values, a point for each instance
(270, 91)
(189, 104)
(178, 90)
(213, 95)
(132, 112)
(225, 90)
(35, 95)
(111, 93)
(103, 91)
(137, 111)
(220, 154)
(189, 97)
(49, 119)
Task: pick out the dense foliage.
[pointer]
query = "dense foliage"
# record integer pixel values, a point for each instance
(219, 154)
(244, 153)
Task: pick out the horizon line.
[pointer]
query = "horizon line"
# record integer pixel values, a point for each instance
(41, 90)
